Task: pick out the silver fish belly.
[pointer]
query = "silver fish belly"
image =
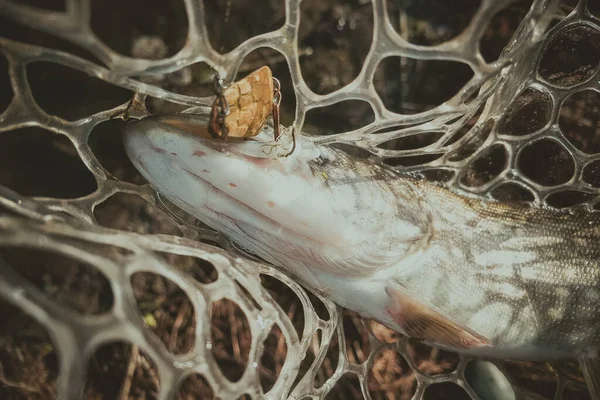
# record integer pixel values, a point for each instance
(460, 273)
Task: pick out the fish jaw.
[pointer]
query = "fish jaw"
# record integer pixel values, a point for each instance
(279, 190)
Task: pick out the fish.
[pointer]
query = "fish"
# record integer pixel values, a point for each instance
(453, 270)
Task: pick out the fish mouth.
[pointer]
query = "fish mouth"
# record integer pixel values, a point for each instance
(155, 152)
(203, 176)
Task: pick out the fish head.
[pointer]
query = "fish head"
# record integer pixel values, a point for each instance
(313, 205)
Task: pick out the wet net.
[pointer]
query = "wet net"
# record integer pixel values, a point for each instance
(108, 291)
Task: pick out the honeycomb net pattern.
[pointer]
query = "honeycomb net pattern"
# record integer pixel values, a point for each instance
(538, 101)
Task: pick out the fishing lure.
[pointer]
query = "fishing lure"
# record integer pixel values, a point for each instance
(242, 109)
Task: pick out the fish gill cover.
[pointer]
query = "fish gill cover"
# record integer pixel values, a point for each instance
(109, 291)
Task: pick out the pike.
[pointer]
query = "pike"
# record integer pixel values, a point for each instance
(461, 273)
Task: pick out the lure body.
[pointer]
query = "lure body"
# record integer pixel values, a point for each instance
(249, 102)
(460, 273)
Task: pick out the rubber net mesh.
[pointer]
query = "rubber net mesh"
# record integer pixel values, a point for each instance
(110, 292)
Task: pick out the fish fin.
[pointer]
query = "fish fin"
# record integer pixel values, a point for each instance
(423, 322)
(591, 372)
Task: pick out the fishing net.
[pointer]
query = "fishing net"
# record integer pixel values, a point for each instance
(108, 291)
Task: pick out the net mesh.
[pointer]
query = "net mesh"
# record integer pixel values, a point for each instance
(521, 125)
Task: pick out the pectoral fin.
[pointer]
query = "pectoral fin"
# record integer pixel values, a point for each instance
(421, 321)
(591, 372)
